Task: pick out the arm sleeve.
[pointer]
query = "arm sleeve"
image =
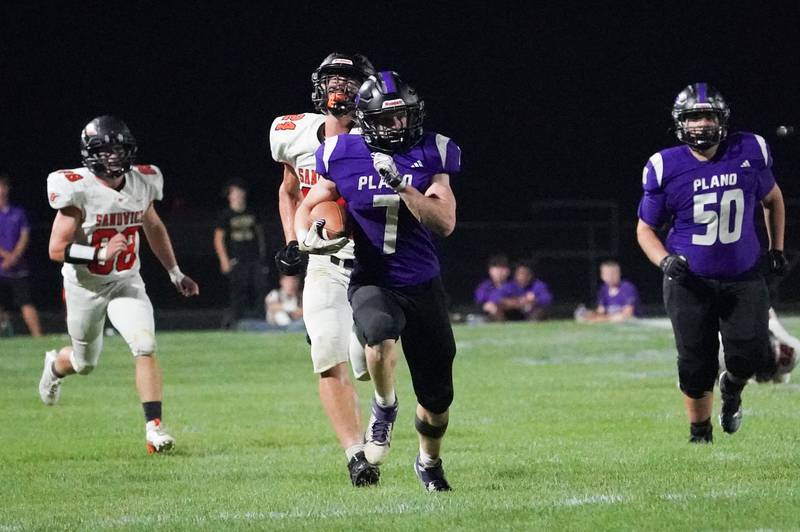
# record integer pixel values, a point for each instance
(653, 205)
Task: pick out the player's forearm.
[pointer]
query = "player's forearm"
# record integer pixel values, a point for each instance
(288, 203)
(160, 243)
(62, 234)
(775, 218)
(56, 251)
(302, 221)
(219, 246)
(437, 214)
(650, 243)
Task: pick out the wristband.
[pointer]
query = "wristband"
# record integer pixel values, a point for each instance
(175, 275)
(80, 254)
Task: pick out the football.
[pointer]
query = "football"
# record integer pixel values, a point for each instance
(335, 218)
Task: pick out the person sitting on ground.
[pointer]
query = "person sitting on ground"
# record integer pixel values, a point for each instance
(525, 297)
(617, 298)
(487, 294)
(284, 305)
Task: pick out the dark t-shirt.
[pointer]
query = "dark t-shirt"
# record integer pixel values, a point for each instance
(241, 233)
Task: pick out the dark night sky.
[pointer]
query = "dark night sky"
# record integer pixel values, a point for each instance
(561, 101)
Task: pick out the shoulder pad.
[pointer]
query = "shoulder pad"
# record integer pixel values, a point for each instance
(754, 147)
(449, 161)
(152, 176)
(65, 187)
(324, 153)
(659, 168)
(285, 129)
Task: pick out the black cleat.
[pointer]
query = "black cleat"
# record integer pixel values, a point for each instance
(432, 478)
(730, 413)
(705, 438)
(701, 432)
(362, 473)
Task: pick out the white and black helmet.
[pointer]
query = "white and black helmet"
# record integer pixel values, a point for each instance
(108, 148)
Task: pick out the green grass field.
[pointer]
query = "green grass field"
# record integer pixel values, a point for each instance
(555, 426)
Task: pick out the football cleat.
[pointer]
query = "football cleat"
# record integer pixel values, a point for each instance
(432, 478)
(379, 432)
(362, 473)
(49, 384)
(730, 413)
(157, 438)
(701, 438)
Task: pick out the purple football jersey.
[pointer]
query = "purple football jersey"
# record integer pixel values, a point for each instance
(13, 221)
(615, 300)
(710, 204)
(392, 247)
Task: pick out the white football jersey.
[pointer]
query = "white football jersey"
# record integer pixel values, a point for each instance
(106, 212)
(294, 140)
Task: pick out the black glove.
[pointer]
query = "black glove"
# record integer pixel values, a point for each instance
(289, 260)
(777, 262)
(676, 267)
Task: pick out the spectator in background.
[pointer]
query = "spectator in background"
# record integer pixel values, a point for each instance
(284, 304)
(14, 237)
(525, 297)
(239, 244)
(487, 294)
(617, 298)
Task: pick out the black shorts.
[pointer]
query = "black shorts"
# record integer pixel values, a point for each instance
(702, 310)
(15, 292)
(418, 316)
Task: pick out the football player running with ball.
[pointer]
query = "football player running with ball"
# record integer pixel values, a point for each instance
(396, 182)
(328, 318)
(708, 189)
(100, 209)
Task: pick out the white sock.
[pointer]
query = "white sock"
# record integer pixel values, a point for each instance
(426, 460)
(389, 400)
(353, 450)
